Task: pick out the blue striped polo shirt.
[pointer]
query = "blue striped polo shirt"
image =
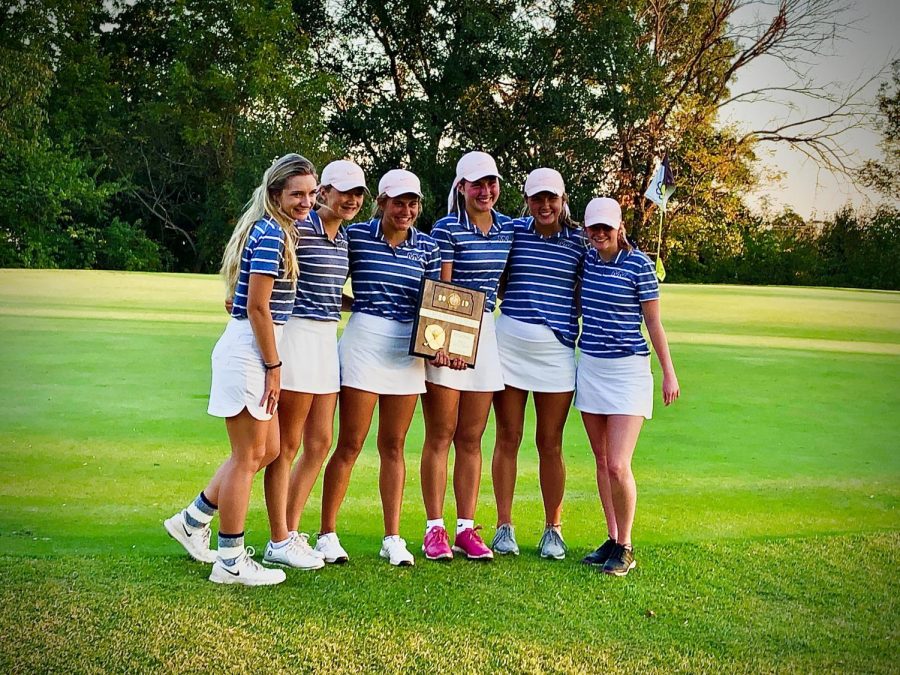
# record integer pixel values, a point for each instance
(386, 279)
(543, 274)
(323, 264)
(264, 254)
(478, 258)
(611, 297)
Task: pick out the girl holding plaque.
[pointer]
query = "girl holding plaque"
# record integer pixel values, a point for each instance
(614, 384)
(536, 335)
(260, 270)
(474, 242)
(388, 258)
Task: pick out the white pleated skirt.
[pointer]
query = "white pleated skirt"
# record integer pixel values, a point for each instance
(374, 356)
(309, 351)
(532, 358)
(622, 386)
(485, 376)
(238, 375)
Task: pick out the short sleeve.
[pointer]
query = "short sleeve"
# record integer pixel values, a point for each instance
(266, 254)
(441, 234)
(646, 282)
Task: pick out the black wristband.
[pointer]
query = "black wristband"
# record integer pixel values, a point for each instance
(272, 366)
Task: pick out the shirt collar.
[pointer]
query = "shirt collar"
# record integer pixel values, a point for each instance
(377, 233)
(463, 219)
(616, 259)
(564, 230)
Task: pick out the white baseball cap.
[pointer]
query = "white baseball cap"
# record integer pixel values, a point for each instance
(545, 180)
(343, 175)
(475, 166)
(603, 211)
(471, 166)
(398, 182)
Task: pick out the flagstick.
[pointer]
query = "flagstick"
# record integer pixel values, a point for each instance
(659, 237)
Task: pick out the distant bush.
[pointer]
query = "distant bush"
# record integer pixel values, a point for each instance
(852, 249)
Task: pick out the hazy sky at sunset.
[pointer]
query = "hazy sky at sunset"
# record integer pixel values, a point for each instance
(809, 190)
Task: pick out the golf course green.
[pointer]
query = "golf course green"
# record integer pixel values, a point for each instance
(767, 532)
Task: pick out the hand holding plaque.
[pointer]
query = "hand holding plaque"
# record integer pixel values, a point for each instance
(448, 318)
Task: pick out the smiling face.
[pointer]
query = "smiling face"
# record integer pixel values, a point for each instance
(400, 212)
(481, 194)
(605, 239)
(297, 198)
(545, 208)
(345, 205)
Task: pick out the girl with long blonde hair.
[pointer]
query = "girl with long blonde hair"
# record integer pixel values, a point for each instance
(260, 271)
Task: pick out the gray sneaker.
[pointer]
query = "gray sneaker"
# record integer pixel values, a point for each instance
(552, 544)
(504, 541)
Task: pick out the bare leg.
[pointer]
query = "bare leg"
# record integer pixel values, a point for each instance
(552, 410)
(474, 408)
(394, 416)
(235, 476)
(621, 438)
(509, 411)
(293, 408)
(595, 425)
(317, 437)
(356, 411)
(439, 407)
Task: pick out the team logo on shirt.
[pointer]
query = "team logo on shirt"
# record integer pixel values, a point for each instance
(416, 256)
(619, 274)
(503, 237)
(568, 243)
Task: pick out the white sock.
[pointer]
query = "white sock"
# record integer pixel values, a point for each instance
(230, 552)
(464, 524)
(393, 537)
(280, 544)
(437, 522)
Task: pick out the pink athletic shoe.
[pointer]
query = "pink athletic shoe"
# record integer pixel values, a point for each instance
(469, 542)
(437, 544)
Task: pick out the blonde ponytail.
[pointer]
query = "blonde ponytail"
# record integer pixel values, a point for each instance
(262, 203)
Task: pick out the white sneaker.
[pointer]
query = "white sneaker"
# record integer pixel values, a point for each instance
(293, 554)
(245, 571)
(394, 549)
(302, 540)
(330, 546)
(194, 539)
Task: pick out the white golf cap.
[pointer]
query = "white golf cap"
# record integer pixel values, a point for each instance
(475, 166)
(545, 180)
(471, 166)
(343, 175)
(398, 182)
(603, 211)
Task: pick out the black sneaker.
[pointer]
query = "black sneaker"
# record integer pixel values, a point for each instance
(601, 555)
(620, 562)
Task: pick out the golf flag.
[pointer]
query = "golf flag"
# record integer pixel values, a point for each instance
(662, 185)
(660, 269)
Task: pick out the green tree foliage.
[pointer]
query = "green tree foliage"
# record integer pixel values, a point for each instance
(883, 175)
(53, 203)
(208, 93)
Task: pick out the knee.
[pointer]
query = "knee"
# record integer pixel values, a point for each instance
(391, 450)
(549, 444)
(439, 434)
(509, 440)
(317, 449)
(347, 451)
(619, 471)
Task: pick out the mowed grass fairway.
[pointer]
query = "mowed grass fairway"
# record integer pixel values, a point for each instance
(767, 532)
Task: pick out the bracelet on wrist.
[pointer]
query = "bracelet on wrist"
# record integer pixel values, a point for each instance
(272, 366)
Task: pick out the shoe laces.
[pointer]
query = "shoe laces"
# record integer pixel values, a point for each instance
(554, 537)
(205, 535)
(248, 560)
(504, 534)
(436, 532)
(300, 540)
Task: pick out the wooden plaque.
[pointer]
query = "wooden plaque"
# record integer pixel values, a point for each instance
(449, 318)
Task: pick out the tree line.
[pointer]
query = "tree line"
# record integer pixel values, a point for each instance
(132, 133)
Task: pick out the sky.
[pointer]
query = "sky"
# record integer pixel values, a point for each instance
(868, 43)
